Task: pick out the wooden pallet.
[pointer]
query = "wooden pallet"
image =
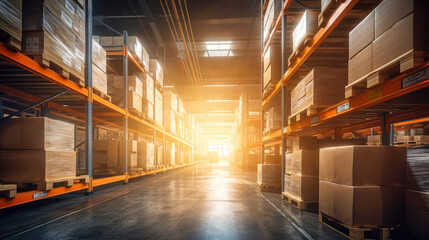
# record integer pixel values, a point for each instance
(8, 190)
(401, 64)
(411, 143)
(269, 88)
(50, 184)
(354, 232)
(269, 187)
(300, 204)
(136, 170)
(102, 95)
(295, 54)
(308, 111)
(324, 16)
(10, 41)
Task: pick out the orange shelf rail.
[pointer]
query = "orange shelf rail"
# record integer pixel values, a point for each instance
(273, 136)
(30, 196)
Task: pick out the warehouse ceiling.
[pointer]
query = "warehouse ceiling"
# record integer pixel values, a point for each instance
(230, 26)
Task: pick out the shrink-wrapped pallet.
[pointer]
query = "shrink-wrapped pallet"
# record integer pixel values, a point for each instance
(11, 23)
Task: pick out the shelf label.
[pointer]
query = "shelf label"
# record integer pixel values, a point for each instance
(343, 107)
(415, 78)
(40, 194)
(375, 94)
(314, 120)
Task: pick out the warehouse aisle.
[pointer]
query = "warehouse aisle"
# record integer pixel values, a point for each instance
(207, 201)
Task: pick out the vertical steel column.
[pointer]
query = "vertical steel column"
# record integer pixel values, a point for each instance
(1, 108)
(88, 85)
(392, 134)
(164, 148)
(372, 132)
(125, 77)
(385, 136)
(155, 147)
(284, 92)
(262, 81)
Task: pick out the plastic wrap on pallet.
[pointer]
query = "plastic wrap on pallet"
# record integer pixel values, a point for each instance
(11, 18)
(148, 86)
(417, 213)
(418, 168)
(47, 35)
(98, 56)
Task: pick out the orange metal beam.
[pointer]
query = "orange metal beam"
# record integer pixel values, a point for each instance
(30, 65)
(272, 136)
(26, 197)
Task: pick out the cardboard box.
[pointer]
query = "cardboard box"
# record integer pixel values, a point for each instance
(37, 133)
(269, 174)
(271, 14)
(157, 72)
(326, 197)
(98, 56)
(106, 153)
(361, 64)
(368, 206)
(134, 101)
(145, 155)
(148, 110)
(305, 28)
(325, 143)
(304, 143)
(272, 74)
(274, 118)
(305, 188)
(170, 101)
(364, 165)
(36, 165)
(389, 12)
(305, 162)
(288, 163)
(362, 35)
(134, 84)
(417, 213)
(99, 79)
(170, 121)
(273, 56)
(11, 21)
(159, 107)
(419, 131)
(132, 147)
(406, 35)
(322, 86)
(273, 159)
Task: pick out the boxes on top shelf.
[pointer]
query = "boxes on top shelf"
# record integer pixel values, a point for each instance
(11, 23)
(273, 10)
(157, 71)
(116, 43)
(99, 76)
(303, 32)
(53, 33)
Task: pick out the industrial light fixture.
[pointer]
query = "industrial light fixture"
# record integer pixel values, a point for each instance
(218, 49)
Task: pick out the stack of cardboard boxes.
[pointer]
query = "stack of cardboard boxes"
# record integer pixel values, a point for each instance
(273, 120)
(134, 91)
(54, 35)
(105, 155)
(145, 155)
(148, 100)
(170, 111)
(389, 36)
(415, 135)
(271, 14)
(272, 68)
(99, 76)
(417, 194)
(36, 150)
(363, 186)
(131, 154)
(11, 23)
(116, 43)
(302, 170)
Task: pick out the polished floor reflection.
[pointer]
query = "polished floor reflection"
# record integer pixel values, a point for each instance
(207, 201)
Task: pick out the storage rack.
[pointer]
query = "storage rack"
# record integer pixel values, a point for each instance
(241, 145)
(25, 82)
(386, 107)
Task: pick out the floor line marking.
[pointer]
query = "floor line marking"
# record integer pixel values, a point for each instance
(302, 231)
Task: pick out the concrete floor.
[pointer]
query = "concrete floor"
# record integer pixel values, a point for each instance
(207, 201)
